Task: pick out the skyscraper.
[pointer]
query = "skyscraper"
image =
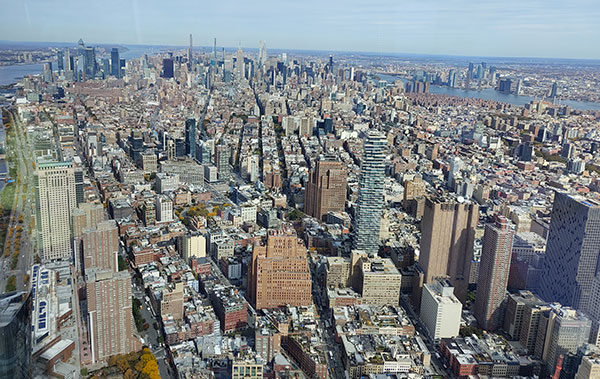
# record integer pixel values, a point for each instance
(15, 335)
(493, 273)
(571, 251)
(100, 245)
(167, 71)
(447, 239)
(190, 137)
(55, 199)
(110, 320)
(190, 54)
(115, 63)
(326, 189)
(222, 154)
(367, 215)
(278, 274)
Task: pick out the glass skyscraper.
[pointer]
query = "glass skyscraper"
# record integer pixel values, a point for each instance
(15, 335)
(571, 252)
(115, 63)
(367, 218)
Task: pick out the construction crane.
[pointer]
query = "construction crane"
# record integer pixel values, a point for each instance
(559, 363)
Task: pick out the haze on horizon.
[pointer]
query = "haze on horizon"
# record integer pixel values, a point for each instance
(512, 28)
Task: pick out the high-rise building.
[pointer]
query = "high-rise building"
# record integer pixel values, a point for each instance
(571, 252)
(100, 246)
(326, 189)
(589, 367)
(55, 200)
(190, 137)
(15, 335)
(530, 325)
(367, 215)
(190, 54)
(110, 319)
(115, 63)
(447, 239)
(440, 310)
(493, 273)
(278, 274)
(562, 330)
(192, 245)
(516, 308)
(164, 209)
(85, 216)
(167, 71)
(222, 155)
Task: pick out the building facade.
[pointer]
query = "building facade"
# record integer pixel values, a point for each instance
(326, 189)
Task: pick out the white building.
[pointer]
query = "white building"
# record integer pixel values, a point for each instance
(192, 245)
(166, 182)
(440, 309)
(55, 195)
(164, 209)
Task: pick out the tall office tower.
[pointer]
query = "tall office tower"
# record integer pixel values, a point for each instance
(278, 274)
(222, 154)
(562, 331)
(190, 54)
(326, 189)
(67, 64)
(115, 63)
(554, 90)
(100, 246)
(493, 273)
(85, 216)
(367, 216)
(167, 71)
(447, 239)
(15, 334)
(571, 252)
(190, 137)
(60, 60)
(440, 310)
(203, 156)
(55, 200)
(109, 317)
(47, 72)
(79, 187)
(456, 164)
(239, 62)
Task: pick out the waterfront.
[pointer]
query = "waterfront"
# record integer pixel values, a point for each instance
(491, 94)
(12, 74)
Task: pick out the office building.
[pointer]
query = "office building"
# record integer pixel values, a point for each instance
(190, 137)
(55, 200)
(167, 71)
(222, 155)
(115, 63)
(530, 325)
(378, 281)
(326, 189)
(440, 309)
(562, 330)
(110, 320)
(15, 335)
(164, 209)
(367, 215)
(100, 246)
(571, 252)
(589, 367)
(493, 273)
(447, 239)
(516, 307)
(278, 274)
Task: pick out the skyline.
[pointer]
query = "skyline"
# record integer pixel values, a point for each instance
(535, 29)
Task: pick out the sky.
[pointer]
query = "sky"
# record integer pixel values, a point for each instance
(507, 28)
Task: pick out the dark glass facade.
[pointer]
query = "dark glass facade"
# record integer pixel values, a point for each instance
(15, 335)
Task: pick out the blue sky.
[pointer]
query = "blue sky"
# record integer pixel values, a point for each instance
(514, 28)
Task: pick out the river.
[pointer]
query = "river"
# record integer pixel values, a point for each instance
(492, 94)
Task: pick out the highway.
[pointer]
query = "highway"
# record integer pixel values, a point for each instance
(24, 193)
